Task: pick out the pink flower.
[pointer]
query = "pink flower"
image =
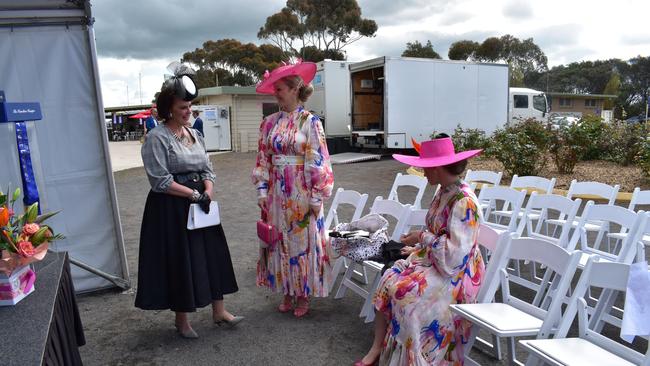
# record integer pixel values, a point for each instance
(26, 249)
(30, 229)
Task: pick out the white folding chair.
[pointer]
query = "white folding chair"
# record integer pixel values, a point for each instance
(401, 180)
(509, 196)
(530, 183)
(385, 208)
(590, 190)
(515, 317)
(358, 202)
(414, 218)
(589, 347)
(472, 177)
(639, 197)
(545, 205)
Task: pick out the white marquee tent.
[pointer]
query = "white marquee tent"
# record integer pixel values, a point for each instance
(47, 55)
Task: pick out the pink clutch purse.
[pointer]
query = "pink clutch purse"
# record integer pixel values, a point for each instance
(269, 235)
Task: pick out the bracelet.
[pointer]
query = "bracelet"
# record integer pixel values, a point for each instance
(195, 196)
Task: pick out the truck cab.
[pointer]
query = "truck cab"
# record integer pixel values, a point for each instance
(525, 103)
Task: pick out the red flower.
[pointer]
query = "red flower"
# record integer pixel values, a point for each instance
(30, 229)
(26, 249)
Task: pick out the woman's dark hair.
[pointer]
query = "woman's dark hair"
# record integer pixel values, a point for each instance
(456, 168)
(164, 102)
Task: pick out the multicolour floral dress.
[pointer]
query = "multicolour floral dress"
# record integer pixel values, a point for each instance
(415, 293)
(298, 265)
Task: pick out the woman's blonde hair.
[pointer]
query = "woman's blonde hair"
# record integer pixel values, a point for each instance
(304, 91)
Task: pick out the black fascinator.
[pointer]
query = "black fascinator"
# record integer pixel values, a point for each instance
(181, 81)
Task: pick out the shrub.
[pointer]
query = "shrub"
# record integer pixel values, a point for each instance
(469, 139)
(521, 147)
(568, 144)
(644, 155)
(595, 131)
(623, 141)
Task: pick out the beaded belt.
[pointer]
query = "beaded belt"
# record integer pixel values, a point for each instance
(282, 160)
(187, 177)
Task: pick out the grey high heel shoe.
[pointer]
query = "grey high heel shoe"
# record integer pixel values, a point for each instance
(189, 334)
(231, 323)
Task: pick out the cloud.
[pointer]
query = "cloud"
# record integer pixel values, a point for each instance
(148, 29)
(635, 39)
(557, 35)
(455, 17)
(518, 9)
(391, 12)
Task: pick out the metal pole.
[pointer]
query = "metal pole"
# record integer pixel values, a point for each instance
(127, 94)
(140, 86)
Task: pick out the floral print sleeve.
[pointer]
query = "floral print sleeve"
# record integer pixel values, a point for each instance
(448, 251)
(263, 162)
(318, 170)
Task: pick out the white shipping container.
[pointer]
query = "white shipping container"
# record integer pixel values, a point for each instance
(331, 97)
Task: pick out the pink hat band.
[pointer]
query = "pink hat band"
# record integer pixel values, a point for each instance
(438, 152)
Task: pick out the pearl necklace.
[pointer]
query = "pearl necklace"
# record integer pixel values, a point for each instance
(183, 139)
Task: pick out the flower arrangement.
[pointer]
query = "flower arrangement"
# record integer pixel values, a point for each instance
(23, 238)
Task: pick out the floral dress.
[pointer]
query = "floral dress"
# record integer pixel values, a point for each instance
(298, 265)
(416, 292)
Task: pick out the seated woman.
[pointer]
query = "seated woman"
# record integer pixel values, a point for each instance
(414, 325)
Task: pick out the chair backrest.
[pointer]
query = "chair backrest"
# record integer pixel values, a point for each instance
(483, 176)
(541, 184)
(416, 218)
(348, 197)
(497, 244)
(511, 198)
(408, 180)
(604, 275)
(545, 204)
(557, 259)
(601, 190)
(398, 211)
(639, 197)
(629, 221)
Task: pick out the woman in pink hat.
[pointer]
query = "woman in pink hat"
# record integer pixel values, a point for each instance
(293, 176)
(414, 325)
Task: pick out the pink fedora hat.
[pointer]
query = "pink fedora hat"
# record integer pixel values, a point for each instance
(438, 152)
(306, 70)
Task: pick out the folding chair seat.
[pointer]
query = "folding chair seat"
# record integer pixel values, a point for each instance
(530, 183)
(346, 197)
(515, 317)
(401, 180)
(589, 347)
(473, 177)
(510, 197)
(382, 207)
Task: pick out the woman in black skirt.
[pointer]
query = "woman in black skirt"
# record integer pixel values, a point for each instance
(181, 269)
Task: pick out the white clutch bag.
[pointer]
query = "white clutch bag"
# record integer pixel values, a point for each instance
(197, 219)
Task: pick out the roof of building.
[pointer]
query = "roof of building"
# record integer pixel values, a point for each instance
(127, 108)
(576, 95)
(221, 90)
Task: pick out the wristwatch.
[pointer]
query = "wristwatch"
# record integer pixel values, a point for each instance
(195, 196)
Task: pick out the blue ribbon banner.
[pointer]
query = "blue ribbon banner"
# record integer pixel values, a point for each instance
(30, 191)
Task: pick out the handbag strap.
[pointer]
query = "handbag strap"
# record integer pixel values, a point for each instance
(264, 215)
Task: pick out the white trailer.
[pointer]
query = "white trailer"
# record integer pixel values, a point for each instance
(331, 102)
(394, 99)
(527, 103)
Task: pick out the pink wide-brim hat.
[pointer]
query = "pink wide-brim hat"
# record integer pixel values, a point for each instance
(306, 71)
(433, 153)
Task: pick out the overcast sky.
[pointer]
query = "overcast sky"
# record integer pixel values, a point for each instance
(137, 39)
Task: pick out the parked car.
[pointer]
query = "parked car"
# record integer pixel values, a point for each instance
(563, 121)
(637, 119)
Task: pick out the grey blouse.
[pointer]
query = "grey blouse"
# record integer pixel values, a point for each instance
(164, 156)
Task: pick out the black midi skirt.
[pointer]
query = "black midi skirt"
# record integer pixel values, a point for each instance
(180, 269)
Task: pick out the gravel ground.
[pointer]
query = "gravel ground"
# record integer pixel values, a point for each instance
(117, 333)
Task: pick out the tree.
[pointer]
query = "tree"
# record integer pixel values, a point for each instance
(524, 57)
(635, 88)
(325, 25)
(232, 62)
(613, 87)
(416, 49)
(462, 50)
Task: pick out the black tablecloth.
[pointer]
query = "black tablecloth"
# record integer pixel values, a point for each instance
(45, 327)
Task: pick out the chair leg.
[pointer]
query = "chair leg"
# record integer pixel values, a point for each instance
(604, 306)
(342, 286)
(336, 268)
(512, 355)
(367, 309)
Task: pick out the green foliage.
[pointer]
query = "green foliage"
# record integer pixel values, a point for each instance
(416, 49)
(644, 155)
(326, 25)
(568, 144)
(594, 131)
(470, 139)
(521, 147)
(462, 50)
(622, 142)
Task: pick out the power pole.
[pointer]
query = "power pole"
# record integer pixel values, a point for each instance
(127, 94)
(140, 86)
